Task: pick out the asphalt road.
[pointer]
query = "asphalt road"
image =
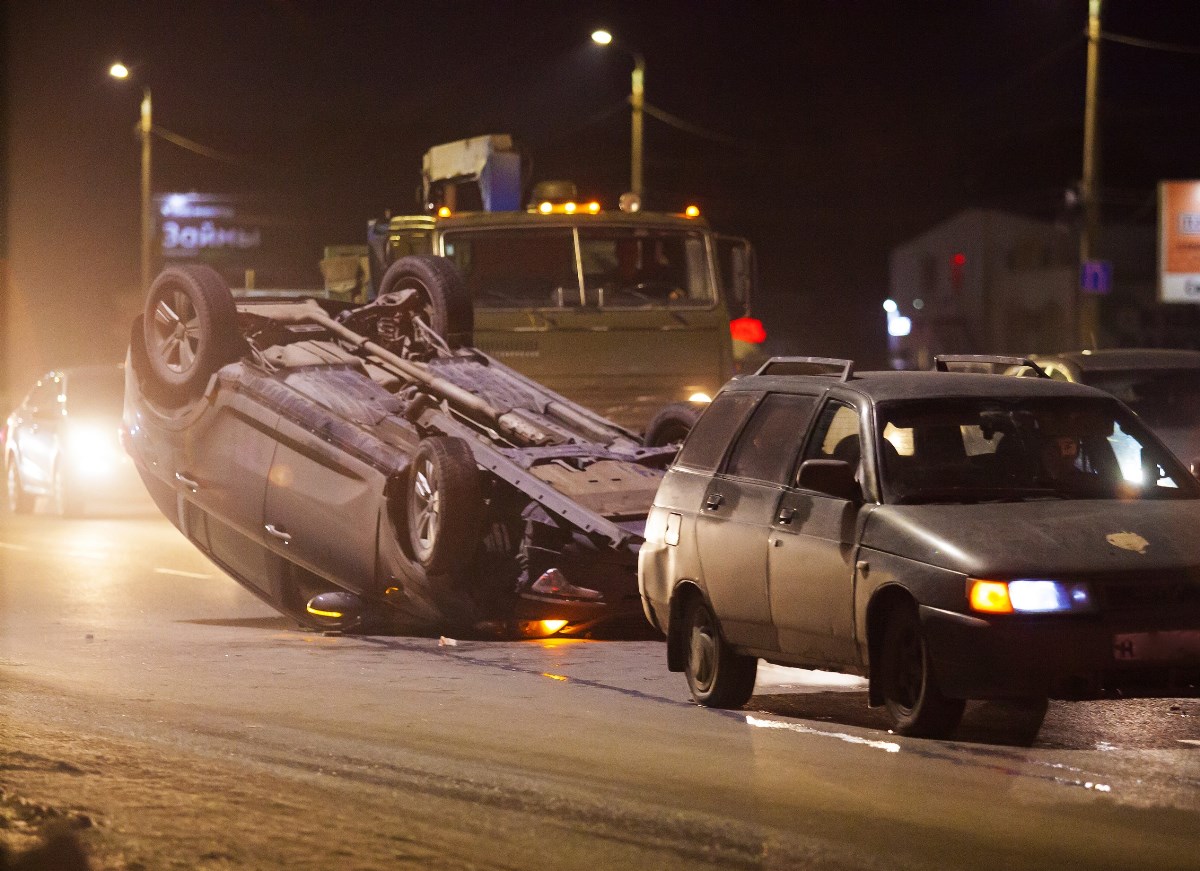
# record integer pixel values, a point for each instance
(170, 720)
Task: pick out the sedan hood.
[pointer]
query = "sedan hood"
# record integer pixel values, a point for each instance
(1039, 539)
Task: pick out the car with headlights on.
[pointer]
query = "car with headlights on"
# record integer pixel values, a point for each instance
(948, 535)
(63, 442)
(1161, 385)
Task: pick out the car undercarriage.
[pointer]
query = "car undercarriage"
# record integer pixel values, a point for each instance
(365, 468)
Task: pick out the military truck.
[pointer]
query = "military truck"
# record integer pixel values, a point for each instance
(634, 314)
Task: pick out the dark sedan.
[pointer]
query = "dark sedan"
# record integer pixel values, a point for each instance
(1161, 385)
(949, 536)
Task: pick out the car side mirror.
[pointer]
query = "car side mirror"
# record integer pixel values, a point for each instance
(831, 477)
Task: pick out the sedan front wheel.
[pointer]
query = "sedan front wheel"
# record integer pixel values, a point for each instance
(910, 691)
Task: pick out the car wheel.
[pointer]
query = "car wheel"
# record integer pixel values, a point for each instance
(910, 691)
(717, 676)
(17, 500)
(671, 424)
(67, 502)
(445, 300)
(190, 328)
(444, 504)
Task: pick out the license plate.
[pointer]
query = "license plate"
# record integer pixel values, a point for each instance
(1168, 646)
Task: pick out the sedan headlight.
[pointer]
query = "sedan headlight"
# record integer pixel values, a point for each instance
(93, 448)
(1028, 596)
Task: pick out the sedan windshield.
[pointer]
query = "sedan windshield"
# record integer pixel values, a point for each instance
(990, 450)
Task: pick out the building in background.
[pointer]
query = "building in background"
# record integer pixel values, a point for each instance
(992, 282)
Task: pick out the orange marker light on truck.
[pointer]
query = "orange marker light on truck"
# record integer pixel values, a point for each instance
(990, 597)
(692, 211)
(444, 212)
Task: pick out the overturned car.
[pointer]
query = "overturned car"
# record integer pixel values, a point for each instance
(364, 467)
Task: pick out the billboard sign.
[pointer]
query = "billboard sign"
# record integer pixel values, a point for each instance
(239, 235)
(1179, 241)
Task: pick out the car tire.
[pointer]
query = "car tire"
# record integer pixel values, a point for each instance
(671, 424)
(190, 329)
(16, 499)
(66, 500)
(908, 686)
(716, 675)
(444, 296)
(444, 505)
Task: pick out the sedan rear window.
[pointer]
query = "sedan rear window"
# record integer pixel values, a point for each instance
(770, 440)
(705, 445)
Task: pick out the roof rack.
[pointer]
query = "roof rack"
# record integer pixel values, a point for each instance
(831, 367)
(941, 363)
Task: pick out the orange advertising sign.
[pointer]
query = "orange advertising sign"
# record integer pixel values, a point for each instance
(1179, 241)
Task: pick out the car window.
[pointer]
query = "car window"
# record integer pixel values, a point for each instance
(771, 437)
(836, 434)
(705, 444)
(965, 450)
(640, 267)
(517, 268)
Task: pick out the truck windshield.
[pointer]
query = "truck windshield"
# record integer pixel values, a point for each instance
(622, 267)
(1011, 450)
(517, 268)
(637, 267)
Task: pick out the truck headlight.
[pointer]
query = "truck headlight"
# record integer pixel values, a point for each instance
(1028, 596)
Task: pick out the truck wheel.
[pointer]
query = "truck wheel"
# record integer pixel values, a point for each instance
(190, 328)
(444, 504)
(444, 297)
(672, 424)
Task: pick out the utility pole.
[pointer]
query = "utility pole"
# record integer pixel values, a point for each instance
(637, 99)
(144, 128)
(1088, 307)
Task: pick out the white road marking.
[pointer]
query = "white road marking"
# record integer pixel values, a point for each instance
(1191, 741)
(4, 545)
(179, 574)
(889, 746)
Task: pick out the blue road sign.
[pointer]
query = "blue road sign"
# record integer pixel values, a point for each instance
(1095, 276)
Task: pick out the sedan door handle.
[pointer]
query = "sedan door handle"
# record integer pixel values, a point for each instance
(282, 534)
(187, 482)
(786, 515)
(713, 502)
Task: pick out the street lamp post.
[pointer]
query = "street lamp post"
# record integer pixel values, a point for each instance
(1089, 309)
(145, 126)
(637, 101)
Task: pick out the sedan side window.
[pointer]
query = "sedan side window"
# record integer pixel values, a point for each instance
(706, 443)
(769, 442)
(835, 436)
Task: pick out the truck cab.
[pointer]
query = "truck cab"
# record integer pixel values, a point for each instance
(621, 310)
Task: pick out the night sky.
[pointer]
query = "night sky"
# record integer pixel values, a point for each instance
(832, 130)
